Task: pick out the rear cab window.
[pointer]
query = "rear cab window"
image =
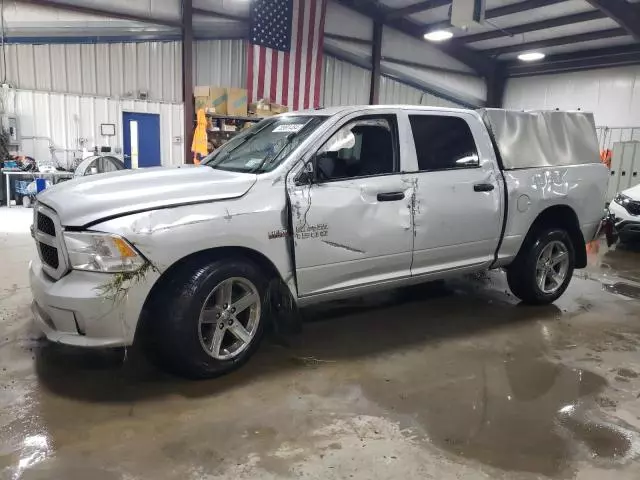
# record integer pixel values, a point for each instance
(443, 143)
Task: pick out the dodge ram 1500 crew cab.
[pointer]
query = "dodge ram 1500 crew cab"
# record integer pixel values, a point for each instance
(313, 206)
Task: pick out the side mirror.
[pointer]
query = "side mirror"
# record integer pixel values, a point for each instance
(307, 175)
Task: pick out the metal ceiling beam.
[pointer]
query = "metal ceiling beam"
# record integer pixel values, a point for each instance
(627, 15)
(555, 42)
(417, 8)
(501, 12)
(577, 61)
(346, 38)
(423, 66)
(187, 77)
(376, 55)
(103, 12)
(534, 26)
(475, 60)
(224, 16)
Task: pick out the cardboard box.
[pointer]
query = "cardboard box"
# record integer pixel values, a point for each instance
(237, 102)
(201, 91)
(275, 108)
(218, 100)
(201, 95)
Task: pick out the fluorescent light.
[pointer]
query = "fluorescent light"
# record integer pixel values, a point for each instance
(438, 35)
(531, 56)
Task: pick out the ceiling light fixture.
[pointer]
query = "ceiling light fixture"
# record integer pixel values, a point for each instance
(438, 35)
(531, 56)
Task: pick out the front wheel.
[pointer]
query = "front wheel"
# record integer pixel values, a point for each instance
(544, 267)
(210, 318)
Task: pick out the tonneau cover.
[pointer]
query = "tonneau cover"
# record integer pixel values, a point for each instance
(529, 139)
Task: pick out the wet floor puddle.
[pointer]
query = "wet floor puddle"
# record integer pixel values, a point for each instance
(519, 412)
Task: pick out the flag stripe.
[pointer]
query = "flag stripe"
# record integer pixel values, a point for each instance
(278, 93)
(298, 58)
(250, 88)
(319, 68)
(255, 67)
(285, 80)
(306, 32)
(284, 62)
(291, 80)
(273, 75)
(261, 71)
(308, 53)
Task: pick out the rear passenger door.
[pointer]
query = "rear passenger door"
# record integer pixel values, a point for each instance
(458, 206)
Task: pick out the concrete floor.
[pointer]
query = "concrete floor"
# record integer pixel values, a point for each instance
(443, 382)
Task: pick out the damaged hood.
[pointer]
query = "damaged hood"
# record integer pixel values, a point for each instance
(89, 199)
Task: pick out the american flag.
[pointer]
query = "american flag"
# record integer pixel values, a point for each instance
(285, 52)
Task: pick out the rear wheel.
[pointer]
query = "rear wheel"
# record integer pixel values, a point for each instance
(543, 268)
(209, 319)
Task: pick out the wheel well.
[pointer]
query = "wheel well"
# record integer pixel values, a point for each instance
(565, 217)
(261, 261)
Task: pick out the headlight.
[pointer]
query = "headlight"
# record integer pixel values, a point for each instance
(101, 252)
(622, 199)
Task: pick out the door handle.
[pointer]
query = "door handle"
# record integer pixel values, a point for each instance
(483, 187)
(390, 196)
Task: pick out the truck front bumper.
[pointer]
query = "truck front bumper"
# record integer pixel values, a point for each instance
(71, 310)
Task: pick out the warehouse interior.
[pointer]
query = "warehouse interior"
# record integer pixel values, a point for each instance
(445, 380)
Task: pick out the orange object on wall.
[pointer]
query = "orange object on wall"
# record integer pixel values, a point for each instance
(605, 157)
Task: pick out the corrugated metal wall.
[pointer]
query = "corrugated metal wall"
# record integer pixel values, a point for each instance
(69, 120)
(344, 83)
(612, 94)
(394, 92)
(124, 69)
(348, 84)
(220, 62)
(105, 69)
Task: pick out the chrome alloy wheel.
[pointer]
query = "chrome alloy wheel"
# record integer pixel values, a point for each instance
(552, 267)
(229, 318)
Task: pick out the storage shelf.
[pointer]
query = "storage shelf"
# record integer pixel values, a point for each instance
(233, 117)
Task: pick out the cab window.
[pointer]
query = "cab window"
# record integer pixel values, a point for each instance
(361, 148)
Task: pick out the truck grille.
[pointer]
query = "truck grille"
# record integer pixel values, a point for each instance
(45, 224)
(48, 235)
(49, 255)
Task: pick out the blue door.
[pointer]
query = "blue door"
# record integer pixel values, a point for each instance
(141, 135)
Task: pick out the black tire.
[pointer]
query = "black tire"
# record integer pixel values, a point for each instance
(521, 274)
(173, 328)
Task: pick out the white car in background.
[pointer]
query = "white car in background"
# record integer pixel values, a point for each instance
(626, 211)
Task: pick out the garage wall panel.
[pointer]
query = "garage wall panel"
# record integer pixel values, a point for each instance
(613, 94)
(110, 69)
(71, 122)
(394, 92)
(344, 83)
(220, 62)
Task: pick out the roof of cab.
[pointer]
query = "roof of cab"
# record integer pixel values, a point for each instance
(358, 108)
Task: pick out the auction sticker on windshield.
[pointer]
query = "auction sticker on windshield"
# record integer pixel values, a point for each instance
(289, 128)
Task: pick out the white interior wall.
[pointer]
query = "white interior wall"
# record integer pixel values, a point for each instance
(69, 121)
(612, 94)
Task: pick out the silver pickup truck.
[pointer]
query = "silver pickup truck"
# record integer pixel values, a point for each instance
(311, 206)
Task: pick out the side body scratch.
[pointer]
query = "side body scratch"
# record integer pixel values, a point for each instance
(346, 247)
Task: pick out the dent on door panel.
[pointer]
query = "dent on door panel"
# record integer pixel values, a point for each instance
(349, 237)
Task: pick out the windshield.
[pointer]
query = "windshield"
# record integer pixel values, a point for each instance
(264, 146)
